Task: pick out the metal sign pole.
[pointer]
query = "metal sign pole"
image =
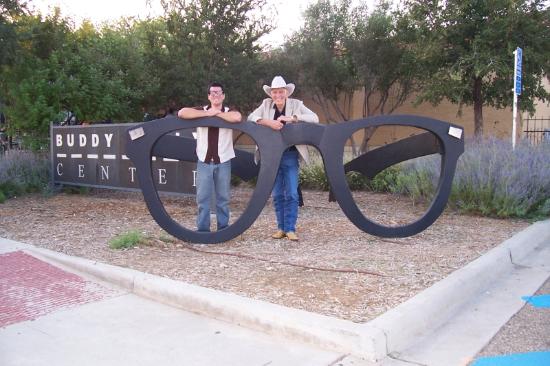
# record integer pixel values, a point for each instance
(517, 91)
(515, 113)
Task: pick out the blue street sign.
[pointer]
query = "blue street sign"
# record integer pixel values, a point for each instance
(517, 73)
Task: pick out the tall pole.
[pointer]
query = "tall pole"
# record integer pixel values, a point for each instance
(517, 91)
(514, 117)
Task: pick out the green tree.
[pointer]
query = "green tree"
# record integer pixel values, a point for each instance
(317, 51)
(385, 67)
(28, 88)
(10, 10)
(97, 74)
(465, 48)
(342, 50)
(212, 40)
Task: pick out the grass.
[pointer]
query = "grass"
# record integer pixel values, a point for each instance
(129, 239)
(166, 238)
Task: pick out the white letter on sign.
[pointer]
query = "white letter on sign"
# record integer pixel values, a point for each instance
(108, 137)
(105, 172)
(70, 139)
(132, 171)
(162, 176)
(82, 140)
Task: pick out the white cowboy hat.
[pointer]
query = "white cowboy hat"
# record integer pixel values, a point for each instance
(279, 82)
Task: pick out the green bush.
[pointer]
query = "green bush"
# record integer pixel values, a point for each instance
(313, 177)
(386, 180)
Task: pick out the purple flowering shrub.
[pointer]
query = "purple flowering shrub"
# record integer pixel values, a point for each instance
(22, 172)
(491, 179)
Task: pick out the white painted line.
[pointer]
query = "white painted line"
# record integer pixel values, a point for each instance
(93, 156)
(124, 157)
(109, 156)
(166, 159)
(76, 156)
(61, 155)
(154, 158)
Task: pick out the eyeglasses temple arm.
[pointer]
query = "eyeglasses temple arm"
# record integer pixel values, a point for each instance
(184, 148)
(375, 161)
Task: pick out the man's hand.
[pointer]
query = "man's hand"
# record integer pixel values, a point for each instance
(286, 119)
(273, 124)
(212, 112)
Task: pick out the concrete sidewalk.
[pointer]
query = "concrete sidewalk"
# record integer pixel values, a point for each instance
(447, 324)
(76, 321)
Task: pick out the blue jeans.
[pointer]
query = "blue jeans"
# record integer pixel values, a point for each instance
(213, 179)
(285, 192)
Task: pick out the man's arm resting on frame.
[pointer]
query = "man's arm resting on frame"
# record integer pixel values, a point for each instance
(231, 116)
(192, 113)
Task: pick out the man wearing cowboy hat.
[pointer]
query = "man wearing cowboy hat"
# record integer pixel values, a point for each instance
(275, 112)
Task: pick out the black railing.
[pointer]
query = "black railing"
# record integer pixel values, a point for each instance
(537, 130)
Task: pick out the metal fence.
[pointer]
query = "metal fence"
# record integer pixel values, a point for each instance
(537, 130)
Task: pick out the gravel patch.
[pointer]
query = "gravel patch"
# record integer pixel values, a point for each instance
(335, 269)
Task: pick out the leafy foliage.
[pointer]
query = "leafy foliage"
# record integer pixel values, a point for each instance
(342, 50)
(212, 41)
(465, 49)
(9, 10)
(123, 70)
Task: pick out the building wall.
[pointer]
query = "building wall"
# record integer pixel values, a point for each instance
(496, 122)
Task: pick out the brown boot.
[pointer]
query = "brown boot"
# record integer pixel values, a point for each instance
(291, 235)
(279, 234)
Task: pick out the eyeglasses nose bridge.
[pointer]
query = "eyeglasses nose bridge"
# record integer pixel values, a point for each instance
(303, 134)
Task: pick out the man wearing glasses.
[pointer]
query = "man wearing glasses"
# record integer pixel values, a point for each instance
(275, 112)
(214, 152)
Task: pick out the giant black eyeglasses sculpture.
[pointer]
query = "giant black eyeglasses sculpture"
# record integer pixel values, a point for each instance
(419, 138)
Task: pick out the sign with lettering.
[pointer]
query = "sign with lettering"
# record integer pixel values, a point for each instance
(95, 156)
(517, 70)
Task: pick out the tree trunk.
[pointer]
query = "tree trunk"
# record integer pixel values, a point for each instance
(478, 108)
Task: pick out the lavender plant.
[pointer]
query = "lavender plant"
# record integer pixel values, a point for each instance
(22, 172)
(491, 179)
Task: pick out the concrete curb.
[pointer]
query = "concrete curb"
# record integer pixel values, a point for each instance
(428, 310)
(392, 331)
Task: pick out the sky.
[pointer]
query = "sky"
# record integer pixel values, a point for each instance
(289, 19)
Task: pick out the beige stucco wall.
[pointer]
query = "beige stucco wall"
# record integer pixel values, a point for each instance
(496, 122)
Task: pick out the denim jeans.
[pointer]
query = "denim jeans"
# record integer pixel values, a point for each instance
(285, 192)
(213, 179)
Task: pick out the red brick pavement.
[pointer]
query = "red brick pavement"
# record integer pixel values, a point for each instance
(30, 288)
